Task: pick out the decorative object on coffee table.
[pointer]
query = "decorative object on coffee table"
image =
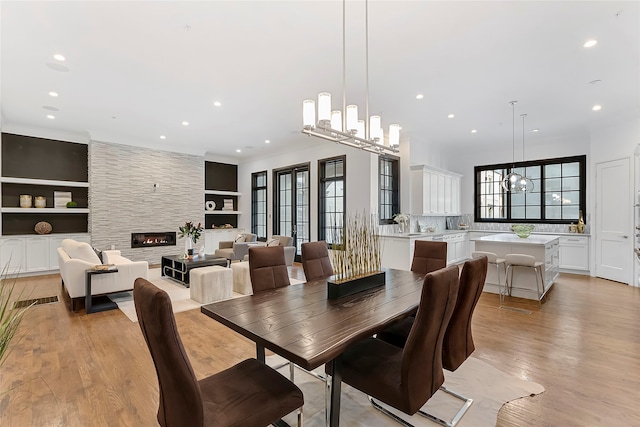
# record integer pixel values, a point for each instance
(25, 201)
(41, 202)
(43, 227)
(192, 233)
(356, 257)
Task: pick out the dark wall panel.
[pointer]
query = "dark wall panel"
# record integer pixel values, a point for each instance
(220, 176)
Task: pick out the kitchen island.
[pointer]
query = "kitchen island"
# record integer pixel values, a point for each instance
(543, 247)
(397, 249)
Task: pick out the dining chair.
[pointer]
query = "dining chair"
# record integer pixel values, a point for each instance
(315, 260)
(268, 268)
(406, 378)
(429, 256)
(458, 343)
(246, 394)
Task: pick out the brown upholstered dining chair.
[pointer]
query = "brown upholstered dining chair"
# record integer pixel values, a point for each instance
(429, 256)
(458, 344)
(315, 260)
(268, 268)
(405, 378)
(247, 394)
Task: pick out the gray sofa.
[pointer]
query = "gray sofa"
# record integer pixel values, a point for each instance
(277, 240)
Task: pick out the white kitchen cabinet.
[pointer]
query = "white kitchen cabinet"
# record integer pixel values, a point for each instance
(55, 241)
(574, 253)
(457, 247)
(434, 191)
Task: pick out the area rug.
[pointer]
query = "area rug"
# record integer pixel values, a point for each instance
(487, 386)
(180, 295)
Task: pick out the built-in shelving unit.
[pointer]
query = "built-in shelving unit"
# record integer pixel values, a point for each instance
(221, 184)
(41, 167)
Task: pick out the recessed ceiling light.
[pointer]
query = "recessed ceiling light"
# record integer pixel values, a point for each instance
(217, 104)
(58, 57)
(185, 123)
(49, 116)
(54, 94)
(535, 130)
(267, 141)
(474, 131)
(597, 107)
(238, 151)
(451, 116)
(163, 137)
(419, 96)
(590, 43)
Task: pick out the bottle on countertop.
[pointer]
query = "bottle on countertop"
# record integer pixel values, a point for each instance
(580, 224)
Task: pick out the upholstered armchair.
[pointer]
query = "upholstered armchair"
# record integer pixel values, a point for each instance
(75, 258)
(236, 249)
(284, 241)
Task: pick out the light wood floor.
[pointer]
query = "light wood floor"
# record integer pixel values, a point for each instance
(583, 346)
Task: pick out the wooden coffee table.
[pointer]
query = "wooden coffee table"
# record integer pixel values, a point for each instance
(177, 268)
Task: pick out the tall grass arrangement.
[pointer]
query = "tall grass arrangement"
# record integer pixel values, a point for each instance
(356, 248)
(10, 317)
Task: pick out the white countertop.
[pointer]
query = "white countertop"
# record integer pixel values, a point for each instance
(534, 239)
(418, 235)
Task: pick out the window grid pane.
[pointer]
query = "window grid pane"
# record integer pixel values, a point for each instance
(331, 199)
(259, 204)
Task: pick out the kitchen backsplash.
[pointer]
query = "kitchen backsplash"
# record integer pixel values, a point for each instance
(440, 223)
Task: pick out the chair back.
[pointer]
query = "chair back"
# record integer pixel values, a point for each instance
(429, 256)
(180, 398)
(283, 240)
(267, 268)
(458, 341)
(421, 372)
(250, 237)
(315, 260)
(491, 257)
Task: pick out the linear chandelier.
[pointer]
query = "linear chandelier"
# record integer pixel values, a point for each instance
(347, 129)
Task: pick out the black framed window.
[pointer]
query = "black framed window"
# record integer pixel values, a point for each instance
(558, 194)
(331, 198)
(389, 188)
(259, 204)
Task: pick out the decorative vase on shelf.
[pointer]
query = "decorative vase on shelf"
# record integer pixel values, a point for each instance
(580, 224)
(41, 202)
(25, 201)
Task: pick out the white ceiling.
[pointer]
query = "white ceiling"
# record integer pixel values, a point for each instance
(136, 70)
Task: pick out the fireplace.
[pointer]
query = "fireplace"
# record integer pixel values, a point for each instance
(147, 240)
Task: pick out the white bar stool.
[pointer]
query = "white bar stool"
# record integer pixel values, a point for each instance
(499, 263)
(526, 261)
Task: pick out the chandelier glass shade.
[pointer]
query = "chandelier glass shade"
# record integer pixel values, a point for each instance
(344, 126)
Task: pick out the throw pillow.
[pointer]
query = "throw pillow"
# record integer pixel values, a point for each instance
(99, 253)
(240, 238)
(273, 242)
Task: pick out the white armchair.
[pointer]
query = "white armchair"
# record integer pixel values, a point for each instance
(75, 258)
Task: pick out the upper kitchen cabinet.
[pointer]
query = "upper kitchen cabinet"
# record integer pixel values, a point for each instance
(434, 191)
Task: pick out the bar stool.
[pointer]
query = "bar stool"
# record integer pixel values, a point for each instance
(526, 261)
(499, 263)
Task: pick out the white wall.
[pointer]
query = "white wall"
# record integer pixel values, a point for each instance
(359, 172)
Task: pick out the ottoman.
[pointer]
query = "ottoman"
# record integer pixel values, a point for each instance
(209, 284)
(241, 278)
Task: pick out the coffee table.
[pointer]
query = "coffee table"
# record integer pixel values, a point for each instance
(177, 268)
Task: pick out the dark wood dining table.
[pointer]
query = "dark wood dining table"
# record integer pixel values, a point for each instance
(299, 323)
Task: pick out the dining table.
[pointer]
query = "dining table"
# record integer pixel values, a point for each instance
(299, 322)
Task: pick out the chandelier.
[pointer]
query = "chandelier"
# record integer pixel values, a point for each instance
(344, 126)
(513, 181)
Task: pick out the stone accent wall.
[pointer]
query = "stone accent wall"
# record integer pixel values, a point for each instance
(134, 189)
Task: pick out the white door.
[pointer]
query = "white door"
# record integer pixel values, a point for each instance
(614, 252)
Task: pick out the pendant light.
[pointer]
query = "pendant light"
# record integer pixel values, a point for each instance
(513, 181)
(526, 184)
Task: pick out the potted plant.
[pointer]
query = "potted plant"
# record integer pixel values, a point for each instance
(192, 233)
(10, 316)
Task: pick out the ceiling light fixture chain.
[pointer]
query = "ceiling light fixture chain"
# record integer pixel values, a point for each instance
(526, 184)
(512, 181)
(344, 127)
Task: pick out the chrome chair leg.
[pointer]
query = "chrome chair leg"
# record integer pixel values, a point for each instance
(456, 419)
(388, 413)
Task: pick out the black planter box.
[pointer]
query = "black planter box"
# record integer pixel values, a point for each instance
(353, 286)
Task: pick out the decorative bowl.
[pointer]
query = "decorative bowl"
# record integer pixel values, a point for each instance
(522, 230)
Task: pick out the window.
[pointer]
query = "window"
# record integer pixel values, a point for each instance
(331, 199)
(259, 204)
(558, 196)
(389, 184)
